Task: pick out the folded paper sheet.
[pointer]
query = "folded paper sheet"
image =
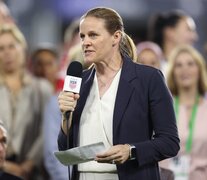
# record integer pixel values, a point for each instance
(80, 154)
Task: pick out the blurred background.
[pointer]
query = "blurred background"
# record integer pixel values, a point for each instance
(53, 42)
(46, 20)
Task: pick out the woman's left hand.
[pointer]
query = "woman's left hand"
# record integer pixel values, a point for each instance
(117, 154)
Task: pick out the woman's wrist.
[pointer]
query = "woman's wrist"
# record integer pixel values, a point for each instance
(64, 123)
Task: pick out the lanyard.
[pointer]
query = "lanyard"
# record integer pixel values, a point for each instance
(189, 141)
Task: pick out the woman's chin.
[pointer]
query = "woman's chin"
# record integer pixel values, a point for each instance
(88, 61)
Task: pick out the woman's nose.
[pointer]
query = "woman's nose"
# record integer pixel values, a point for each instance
(86, 41)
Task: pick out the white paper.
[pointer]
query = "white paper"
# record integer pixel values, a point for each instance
(80, 154)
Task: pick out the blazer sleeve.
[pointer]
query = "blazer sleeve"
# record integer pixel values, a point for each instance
(62, 140)
(165, 141)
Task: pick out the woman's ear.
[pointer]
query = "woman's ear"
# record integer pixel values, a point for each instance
(117, 37)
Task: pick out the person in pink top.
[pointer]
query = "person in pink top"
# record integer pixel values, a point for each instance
(151, 54)
(187, 81)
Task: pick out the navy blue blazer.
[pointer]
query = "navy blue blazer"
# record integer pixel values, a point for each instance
(7, 176)
(143, 116)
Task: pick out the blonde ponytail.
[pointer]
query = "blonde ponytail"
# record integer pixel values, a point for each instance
(127, 47)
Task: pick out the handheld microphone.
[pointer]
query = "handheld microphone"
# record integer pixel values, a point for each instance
(72, 83)
(73, 80)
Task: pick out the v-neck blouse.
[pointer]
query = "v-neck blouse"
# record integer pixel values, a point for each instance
(96, 124)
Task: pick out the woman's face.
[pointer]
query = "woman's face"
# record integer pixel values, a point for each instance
(97, 42)
(11, 53)
(148, 57)
(45, 65)
(185, 32)
(186, 71)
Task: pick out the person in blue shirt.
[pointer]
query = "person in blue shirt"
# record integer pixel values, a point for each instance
(52, 121)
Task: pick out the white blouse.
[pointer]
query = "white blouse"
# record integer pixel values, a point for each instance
(96, 124)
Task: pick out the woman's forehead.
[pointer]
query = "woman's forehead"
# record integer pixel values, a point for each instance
(91, 24)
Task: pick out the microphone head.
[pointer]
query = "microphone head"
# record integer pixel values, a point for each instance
(73, 78)
(75, 68)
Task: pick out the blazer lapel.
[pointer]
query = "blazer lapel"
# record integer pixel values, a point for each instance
(84, 92)
(124, 93)
(85, 88)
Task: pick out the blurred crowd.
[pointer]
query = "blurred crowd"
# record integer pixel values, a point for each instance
(30, 83)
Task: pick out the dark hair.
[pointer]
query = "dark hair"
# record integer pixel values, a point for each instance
(114, 22)
(159, 22)
(45, 46)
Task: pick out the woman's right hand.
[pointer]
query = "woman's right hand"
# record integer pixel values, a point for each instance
(67, 101)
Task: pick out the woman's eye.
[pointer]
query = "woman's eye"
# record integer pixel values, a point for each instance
(178, 65)
(93, 35)
(82, 36)
(191, 64)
